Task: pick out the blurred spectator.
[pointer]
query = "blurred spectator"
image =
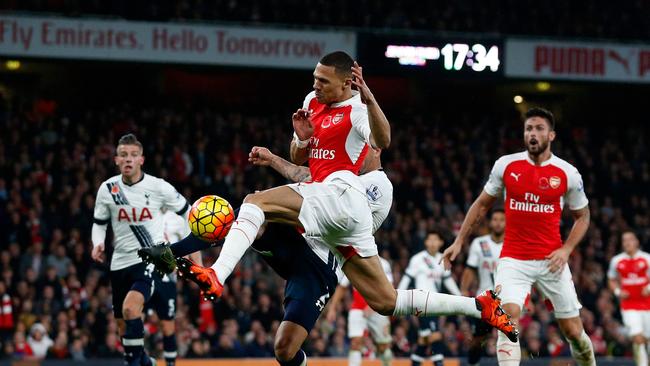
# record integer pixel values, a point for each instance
(39, 341)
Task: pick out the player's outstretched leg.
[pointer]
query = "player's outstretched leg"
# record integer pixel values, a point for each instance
(367, 276)
(280, 204)
(163, 255)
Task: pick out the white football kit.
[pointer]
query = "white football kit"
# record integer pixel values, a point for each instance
(484, 257)
(134, 213)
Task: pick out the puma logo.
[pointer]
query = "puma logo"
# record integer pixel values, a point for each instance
(417, 312)
(509, 353)
(516, 176)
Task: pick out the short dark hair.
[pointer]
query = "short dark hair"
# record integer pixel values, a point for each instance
(541, 113)
(497, 210)
(129, 139)
(436, 232)
(341, 61)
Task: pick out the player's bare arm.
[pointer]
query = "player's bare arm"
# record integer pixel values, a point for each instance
(475, 214)
(379, 126)
(334, 302)
(304, 130)
(559, 257)
(615, 287)
(262, 156)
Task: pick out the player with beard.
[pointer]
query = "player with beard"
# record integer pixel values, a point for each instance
(536, 184)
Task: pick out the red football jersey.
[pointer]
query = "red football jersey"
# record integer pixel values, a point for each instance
(534, 196)
(633, 272)
(341, 134)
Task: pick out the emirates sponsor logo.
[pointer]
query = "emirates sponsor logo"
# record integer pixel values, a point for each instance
(324, 154)
(531, 204)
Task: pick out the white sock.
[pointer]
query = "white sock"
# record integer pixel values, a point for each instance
(427, 303)
(239, 239)
(640, 354)
(582, 350)
(508, 352)
(354, 358)
(386, 357)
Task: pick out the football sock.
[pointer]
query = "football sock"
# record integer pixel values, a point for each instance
(419, 355)
(169, 349)
(582, 350)
(239, 239)
(474, 355)
(640, 354)
(508, 352)
(354, 358)
(300, 359)
(386, 357)
(133, 342)
(438, 359)
(427, 303)
(188, 245)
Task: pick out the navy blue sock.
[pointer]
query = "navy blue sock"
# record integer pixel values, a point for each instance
(133, 342)
(188, 245)
(419, 355)
(474, 355)
(169, 349)
(437, 348)
(296, 361)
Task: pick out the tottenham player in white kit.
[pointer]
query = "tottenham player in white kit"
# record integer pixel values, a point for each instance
(427, 272)
(629, 279)
(332, 131)
(482, 263)
(131, 202)
(536, 184)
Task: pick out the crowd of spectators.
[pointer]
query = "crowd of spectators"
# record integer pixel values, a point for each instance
(57, 302)
(602, 18)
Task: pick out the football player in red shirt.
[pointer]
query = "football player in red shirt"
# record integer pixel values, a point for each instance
(535, 185)
(629, 279)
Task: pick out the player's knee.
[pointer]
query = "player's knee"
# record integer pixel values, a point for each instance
(573, 332)
(130, 311)
(355, 343)
(383, 306)
(284, 348)
(256, 199)
(639, 339)
(382, 347)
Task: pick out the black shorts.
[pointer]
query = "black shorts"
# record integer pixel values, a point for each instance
(133, 278)
(310, 281)
(428, 325)
(163, 300)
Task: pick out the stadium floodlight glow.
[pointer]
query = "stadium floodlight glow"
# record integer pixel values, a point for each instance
(543, 85)
(412, 55)
(518, 99)
(12, 65)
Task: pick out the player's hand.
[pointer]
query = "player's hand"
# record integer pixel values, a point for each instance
(558, 259)
(624, 294)
(450, 254)
(302, 124)
(260, 156)
(357, 80)
(644, 292)
(98, 253)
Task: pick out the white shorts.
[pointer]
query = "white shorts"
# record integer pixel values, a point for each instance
(516, 278)
(378, 325)
(637, 322)
(338, 214)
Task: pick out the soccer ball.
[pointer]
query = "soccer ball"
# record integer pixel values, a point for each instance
(210, 218)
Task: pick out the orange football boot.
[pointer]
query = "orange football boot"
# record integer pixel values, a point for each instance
(491, 312)
(206, 278)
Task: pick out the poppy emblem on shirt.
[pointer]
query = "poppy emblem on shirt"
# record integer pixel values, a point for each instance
(327, 121)
(543, 183)
(555, 182)
(115, 189)
(337, 118)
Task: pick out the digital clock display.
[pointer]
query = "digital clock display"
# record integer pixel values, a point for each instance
(430, 55)
(454, 56)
